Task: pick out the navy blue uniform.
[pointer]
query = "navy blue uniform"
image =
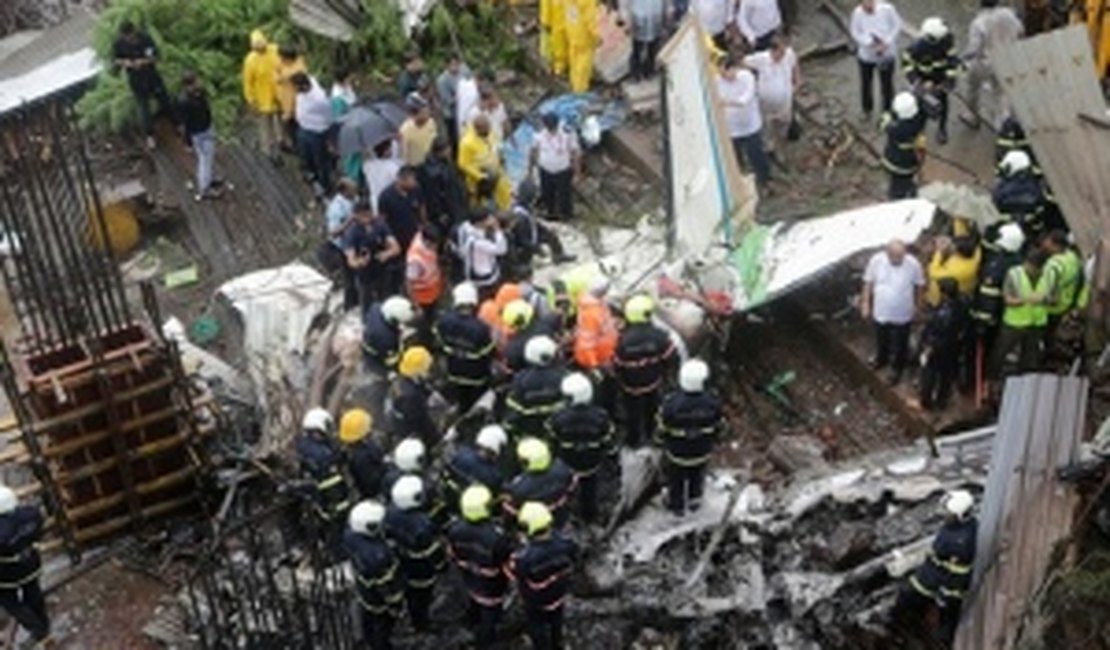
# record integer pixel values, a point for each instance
(20, 566)
(481, 550)
(934, 61)
(366, 464)
(468, 344)
(379, 587)
(643, 357)
(551, 487)
(900, 155)
(416, 539)
(543, 569)
(514, 349)
(942, 580)
(689, 424)
(1021, 198)
(322, 463)
(381, 341)
(583, 437)
(466, 467)
(408, 411)
(534, 396)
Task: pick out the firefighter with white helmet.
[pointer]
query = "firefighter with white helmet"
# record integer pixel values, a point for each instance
(417, 540)
(21, 594)
(931, 64)
(321, 464)
(904, 152)
(690, 421)
(477, 463)
(535, 394)
(410, 459)
(467, 344)
(1021, 195)
(382, 332)
(379, 588)
(582, 434)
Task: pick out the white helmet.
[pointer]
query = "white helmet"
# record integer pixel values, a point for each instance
(398, 310)
(904, 106)
(1015, 161)
(364, 515)
(540, 350)
(409, 455)
(934, 28)
(1010, 238)
(492, 437)
(578, 388)
(318, 419)
(692, 375)
(407, 492)
(465, 294)
(8, 500)
(958, 503)
(599, 286)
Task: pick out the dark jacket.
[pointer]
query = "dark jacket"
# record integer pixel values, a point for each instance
(416, 539)
(514, 349)
(941, 335)
(1021, 198)
(366, 465)
(534, 396)
(933, 60)
(644, 353)
(583, 436)
(381, 341)
(143, 80)
(543, 569)
(195, 113)
(408, 411)
(466, 467)
(434, 505)
(19, 560)
(551, 487)
(946, 571)
(987, 304)
(321, 462)
(379, 585)
(480, 551)
(900, 153)
(444, 193)
(689, 424)
(467, 343)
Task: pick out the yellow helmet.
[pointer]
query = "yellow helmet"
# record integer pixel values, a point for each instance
(517, 314)
(639, 308)
(534, 517)
(415, 362)
(474, 503)
(534, 454)
(355, 425)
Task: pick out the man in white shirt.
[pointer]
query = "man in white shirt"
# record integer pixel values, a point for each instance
(481, 244)
(490, 105)
(757, 21)
(875, 28)
(736, 89)
(892, 288)
(993, 26)
(714, 16)
(778, 77)
(555, 152)
(314, 118)
(466, 99)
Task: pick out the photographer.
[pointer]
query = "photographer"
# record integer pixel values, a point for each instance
(481, 245)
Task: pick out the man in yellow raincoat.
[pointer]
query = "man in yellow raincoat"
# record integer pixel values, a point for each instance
(480, 163)
(553, 34)
(582, 38)
(290, 63)
(260, 90)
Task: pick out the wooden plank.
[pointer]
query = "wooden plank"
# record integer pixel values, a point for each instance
(72, 446)
(144, 489)
(112, 525)
(45, 426)
(159, 446)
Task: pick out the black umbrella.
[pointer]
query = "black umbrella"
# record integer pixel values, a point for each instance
(366, 126)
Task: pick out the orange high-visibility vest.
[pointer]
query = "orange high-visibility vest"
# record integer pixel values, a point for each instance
(422, 274)
(490, 312)
(595, 333)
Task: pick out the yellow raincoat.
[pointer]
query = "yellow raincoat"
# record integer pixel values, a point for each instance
(479, 158)
(259, 75)
(553, 34)
(582, 38)
(286, 93)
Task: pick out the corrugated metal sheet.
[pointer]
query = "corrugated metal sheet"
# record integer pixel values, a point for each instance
(1051, 82)
(1025, 510)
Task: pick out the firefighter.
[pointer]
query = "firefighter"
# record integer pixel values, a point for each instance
(467, 343)
(378, 581)
(523, 324)
(931, 66)
(410, 398)
(416, 539)
(543, 478)
(644, 353)
(542, 570)
(1000, 255)
(1020, 196)
(534, 394)
(480, 549)
(20, 565)
(365, 457)
(943, 579)
(382, 329)
(904, 152)
(321, 465)
(476, 464)
(690, 421)
(1011, 137)
(582, 434)
(409, 459)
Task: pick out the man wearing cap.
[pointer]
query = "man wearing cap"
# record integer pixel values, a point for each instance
(555, 152)
(418, 132)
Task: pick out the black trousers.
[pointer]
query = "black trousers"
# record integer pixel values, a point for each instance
(159, 94)
(910, 615)
(901, 187)
(27, 605)
(1028, 341)
(886, 84)
(937, 378)
(643, 58)
(684, 487)
(484, 619)
(640, 411)
(377, 630)
(545, 628)
(418, 600)
(556, 194)
(313, 150)
(892, 345)
(587, 497)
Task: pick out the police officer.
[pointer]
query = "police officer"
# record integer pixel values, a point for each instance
(410, 398)
(535, 395)
(690, 421)
(416, 539)
(583, 436)
(467, 343)
(542, 570)
(943, 579)
(409, 460)
(931, 66)
(547, 480)
(481, 549)
(381, 337)
(365, 457)
(476, 464)
(379, 587)
(321, 465)
(20, 565)
(1019, 194)
(904, 152)
(644, 353)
